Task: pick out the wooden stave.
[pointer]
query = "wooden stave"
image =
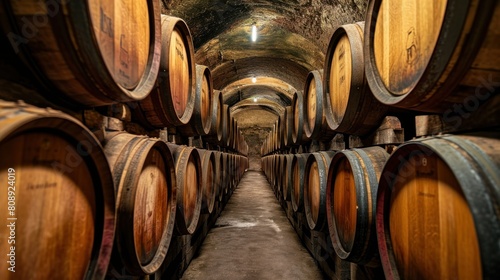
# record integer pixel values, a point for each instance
(208, 200)
(200, 125)
(157, 109)
(182, 155)
(366, 164)
(460, 152)
(91, 86)
(297, 198)
(323, 160)
(437, 92)
(30, 118)
(128, 152)
(364, 112)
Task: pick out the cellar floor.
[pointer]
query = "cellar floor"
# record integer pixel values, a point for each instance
(252, 239)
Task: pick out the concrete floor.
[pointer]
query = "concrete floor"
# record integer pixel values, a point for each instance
(252, 239)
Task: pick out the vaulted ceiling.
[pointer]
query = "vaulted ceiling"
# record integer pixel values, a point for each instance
(258, 79)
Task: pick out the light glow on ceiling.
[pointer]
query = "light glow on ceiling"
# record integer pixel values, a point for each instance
(254, 33)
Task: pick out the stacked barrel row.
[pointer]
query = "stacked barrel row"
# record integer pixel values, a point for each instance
(83, 201)
(428, 209)
(100, 59)
(376, 205)
(87, 192)
(378, 68)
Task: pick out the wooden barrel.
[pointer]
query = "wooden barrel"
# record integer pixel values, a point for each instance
(209, 180)
(144, 178)
(201, 119)
(287, 183)
(171, 103)
(351, 196)
(297, 192)
(280, 175)
(226, 121)
(315, 182)
(233, 124)
(349, 104)
(63, 214)
(315, 123)
(214, 136)
(189, 188)
(288, 127)
(437, 209)
(225, 171)
(89, 52)
(416, 52)
(298, 134)
(277, 174)
(219, 164)
(230, 172)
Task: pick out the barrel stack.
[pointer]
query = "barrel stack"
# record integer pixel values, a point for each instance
(393, 170)
(127, 175)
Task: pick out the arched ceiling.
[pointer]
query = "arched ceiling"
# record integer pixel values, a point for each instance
(292, 40)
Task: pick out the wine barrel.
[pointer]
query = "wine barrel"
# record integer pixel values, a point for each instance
(351, 196)
(230, 159)
(315, 124)
(297, 192)
(233, 124)
(281, 130)
(298, 134)
(226, 175)
(209, 180)
(219, 173)
(172, 101)
(89, 52)
(288, 127)
(417, 53)
(349, 104)
(144, 177)
(315, 182)
(279, 175)
(214, 135)
(437, 209)
(226, 121)
(287, 183)
(64, 212)
(201, 119)
(189, 188)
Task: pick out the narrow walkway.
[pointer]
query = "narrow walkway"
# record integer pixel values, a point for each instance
(252, 239)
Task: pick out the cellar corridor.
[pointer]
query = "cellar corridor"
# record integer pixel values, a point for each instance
(252, 239)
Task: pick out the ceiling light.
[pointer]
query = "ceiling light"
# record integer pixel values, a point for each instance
(254, 33)
(254, 80)
(255, 99)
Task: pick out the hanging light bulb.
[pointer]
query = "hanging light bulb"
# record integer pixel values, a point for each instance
(254, 33)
